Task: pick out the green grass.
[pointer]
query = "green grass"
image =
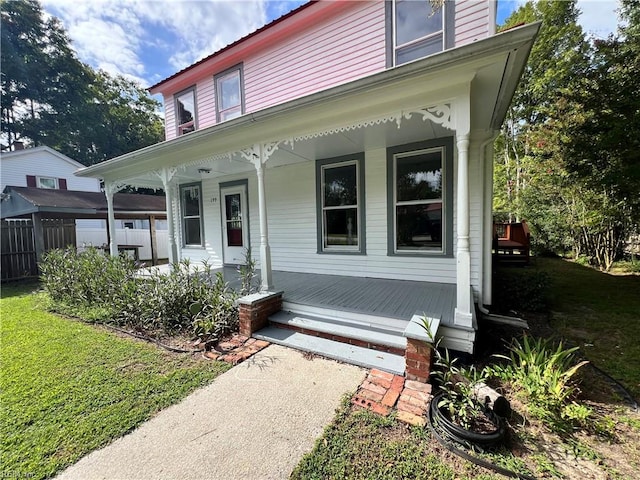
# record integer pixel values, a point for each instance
(600, 313)
(68, 388)
(362, 445)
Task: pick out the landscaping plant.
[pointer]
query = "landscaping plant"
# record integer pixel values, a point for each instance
(545, 375)
(186, 300)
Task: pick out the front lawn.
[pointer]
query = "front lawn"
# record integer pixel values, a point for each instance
(68, 388)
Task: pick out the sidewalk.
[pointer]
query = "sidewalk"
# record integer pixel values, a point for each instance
(255, 421)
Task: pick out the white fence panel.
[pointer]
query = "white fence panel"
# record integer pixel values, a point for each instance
(87, 237)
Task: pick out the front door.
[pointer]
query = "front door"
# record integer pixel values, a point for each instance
(235, 224)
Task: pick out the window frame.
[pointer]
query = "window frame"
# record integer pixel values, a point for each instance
(445, 145)
(194, 122)
(239, 68)
(322, 165)
(44, 177)
(184, 217)
(447, 31)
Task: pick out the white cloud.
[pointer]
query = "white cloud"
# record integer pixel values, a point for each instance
(117, 35)
(598, 17)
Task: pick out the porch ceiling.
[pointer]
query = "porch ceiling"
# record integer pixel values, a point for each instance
(348, 118)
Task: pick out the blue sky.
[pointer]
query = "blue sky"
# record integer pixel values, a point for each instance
(149, 40)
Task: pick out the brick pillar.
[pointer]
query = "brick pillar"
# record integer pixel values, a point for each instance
(255, 310)
(418, 360)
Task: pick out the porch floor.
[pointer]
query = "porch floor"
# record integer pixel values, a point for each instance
(387, 298)
(399, 299)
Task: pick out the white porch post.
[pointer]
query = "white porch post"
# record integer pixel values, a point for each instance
(266, 275)
(258, 154)
(110, 188)
(464, 301)
(166, 175)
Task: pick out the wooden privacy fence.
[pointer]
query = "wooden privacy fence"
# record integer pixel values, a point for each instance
(18, 243)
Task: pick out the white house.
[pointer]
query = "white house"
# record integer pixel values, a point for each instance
(350, 145)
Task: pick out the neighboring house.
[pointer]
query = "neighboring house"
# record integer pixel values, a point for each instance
(44, 167)
(350, 144)
(46, 206)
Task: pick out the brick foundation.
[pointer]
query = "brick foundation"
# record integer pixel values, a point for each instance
(418, 359)
(255, 310)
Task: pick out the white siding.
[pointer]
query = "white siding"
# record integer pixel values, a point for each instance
(15, 166)
(291, 199)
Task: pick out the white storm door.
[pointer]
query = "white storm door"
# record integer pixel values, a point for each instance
(235, 224)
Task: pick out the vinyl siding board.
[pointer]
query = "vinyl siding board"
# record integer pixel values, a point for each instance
(16, 166)
(472, 21)
(335, 51)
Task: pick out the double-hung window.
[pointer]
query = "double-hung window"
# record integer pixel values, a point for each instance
(418, 30)
(191, 201)
(186, 111)
(340, 189)
(229, 94)
(420, 198)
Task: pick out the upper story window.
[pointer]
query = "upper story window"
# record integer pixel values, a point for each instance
(229, 94)
(47, 182)
(418, 30)
(186, 111)
(340, 187)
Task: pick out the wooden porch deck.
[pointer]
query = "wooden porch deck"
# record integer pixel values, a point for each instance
(398, 299)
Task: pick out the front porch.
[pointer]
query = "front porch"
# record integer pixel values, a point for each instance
(358, 320)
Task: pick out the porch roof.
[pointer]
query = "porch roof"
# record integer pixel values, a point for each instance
(488, 71)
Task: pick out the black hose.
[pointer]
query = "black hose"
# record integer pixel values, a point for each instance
(471, 458)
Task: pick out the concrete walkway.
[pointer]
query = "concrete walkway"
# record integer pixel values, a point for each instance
(255, 421)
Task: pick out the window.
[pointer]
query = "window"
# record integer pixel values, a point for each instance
(420, 198)
(340, 190)
(418, 30)
(186, 111)
(190, 199)
(229, 94)
(47, 182)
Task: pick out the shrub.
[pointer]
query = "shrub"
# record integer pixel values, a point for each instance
(521, 290)
(185, 300)
(89, 279)
(546, 376)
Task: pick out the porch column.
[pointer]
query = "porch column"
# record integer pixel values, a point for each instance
(166, 175)
(487, 242)
(464, 301)
(110, 189)
(266, 275)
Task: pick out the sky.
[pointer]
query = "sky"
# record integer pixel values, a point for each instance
(150, 40)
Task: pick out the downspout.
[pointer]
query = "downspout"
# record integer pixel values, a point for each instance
(487, 233)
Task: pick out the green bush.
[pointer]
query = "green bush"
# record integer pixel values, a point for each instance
(89, 279)
(521, 289)
(545, 375)
(188, 299)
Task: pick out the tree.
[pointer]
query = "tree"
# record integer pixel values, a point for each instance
(599, 139)
(51, 98)
(557, 57)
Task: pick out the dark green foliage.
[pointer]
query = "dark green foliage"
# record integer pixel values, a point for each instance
(104, 288)
(567, 158)
(521, 289)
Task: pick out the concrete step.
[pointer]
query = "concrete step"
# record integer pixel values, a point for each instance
(375, 335)
(363, 357)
